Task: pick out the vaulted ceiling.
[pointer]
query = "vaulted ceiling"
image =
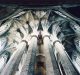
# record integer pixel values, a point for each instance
(16, 22)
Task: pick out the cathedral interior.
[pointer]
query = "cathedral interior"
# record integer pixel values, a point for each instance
(39, 40)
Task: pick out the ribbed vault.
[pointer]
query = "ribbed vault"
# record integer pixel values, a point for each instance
(55, 25)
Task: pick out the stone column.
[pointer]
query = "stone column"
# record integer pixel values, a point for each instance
(62, 57)
(15, 58)
(49, 65)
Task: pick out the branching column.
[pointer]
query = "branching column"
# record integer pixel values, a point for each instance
(62, 58)
(15, 58)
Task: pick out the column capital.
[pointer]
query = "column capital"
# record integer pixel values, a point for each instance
(55, 42)
(26, 43)
(46, 36)
(34, 36)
